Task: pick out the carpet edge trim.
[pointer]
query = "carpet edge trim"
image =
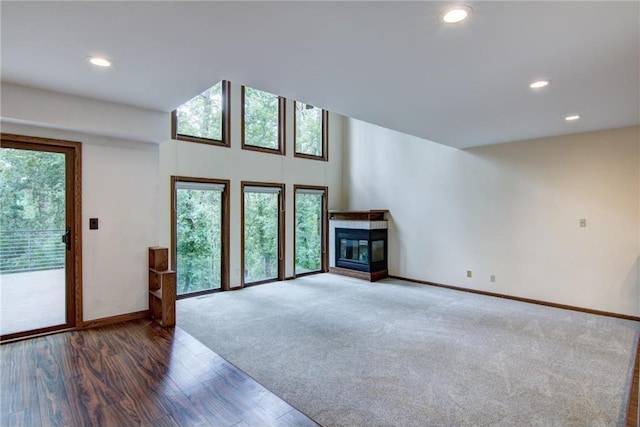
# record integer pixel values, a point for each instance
(520, 299)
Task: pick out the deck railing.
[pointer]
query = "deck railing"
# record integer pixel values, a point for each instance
(31, 250)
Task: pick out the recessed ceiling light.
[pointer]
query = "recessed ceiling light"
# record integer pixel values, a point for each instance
(100, 62)
(540, 83)
(456, 14)
(572, 118)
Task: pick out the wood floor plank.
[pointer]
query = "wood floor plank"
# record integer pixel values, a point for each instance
(217, 411)
(68, 354)
(239, 401)
(19, 379)
(273, 405)
(253, 392)
(181, 409)
(295, 418)
(139, 410)
(201, 368)
(26, 418)
(132, 374)
(86, 402)
(54, 403)
(116, 415)
(45, 353)
(167, 421)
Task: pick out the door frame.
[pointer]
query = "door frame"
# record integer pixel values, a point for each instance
(73, 202)
(324, 238)
(224, 256)
(281, 230)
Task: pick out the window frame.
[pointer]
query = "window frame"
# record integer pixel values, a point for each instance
(225, 236)
(281, 231)
(324, 263)
(282, 126)
(226, 122)
(325, 136)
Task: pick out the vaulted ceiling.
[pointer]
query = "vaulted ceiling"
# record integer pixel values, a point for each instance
(395, 64)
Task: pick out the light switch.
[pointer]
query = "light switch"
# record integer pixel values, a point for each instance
(583, 222)
(93, 223)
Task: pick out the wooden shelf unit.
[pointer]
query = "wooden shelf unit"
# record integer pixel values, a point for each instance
(162, 287)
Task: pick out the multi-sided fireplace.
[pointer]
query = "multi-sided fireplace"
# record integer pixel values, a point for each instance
(358, 244)
(361, 250)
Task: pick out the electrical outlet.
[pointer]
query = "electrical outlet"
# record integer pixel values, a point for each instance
(493, 278)
(468, 273)
(583, 222)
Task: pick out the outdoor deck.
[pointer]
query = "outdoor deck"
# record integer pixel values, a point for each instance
(31, 300)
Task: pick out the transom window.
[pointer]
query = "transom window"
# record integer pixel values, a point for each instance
(262, 121)
(204, 118)
(310, 124)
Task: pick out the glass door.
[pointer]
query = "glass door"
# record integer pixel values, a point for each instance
(199, 237)
(36, 238)
(309, 230)
(262, 225)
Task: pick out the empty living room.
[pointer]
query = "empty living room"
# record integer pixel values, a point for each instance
(319, 213)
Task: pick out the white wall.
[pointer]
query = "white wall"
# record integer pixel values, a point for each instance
(205, 161)
(54, 110)
(509, 210)
(119, 186)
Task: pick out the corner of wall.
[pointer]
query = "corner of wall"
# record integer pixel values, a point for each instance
(346, 161)
(509, 211)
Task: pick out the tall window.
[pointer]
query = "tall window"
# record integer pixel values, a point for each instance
(310, 229)
(205, 118)
(263, 121)
(311, 126)
(262, 232)
(200, 235)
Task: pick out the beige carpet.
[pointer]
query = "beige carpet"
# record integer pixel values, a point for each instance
(352, 353)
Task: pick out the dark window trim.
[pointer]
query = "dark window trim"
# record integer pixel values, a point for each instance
(325, 137)
(224, 256)
(226, 122)
(281, 231)
(324, 264)
(282, 122)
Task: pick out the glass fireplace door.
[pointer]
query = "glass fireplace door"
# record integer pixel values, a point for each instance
(354, 250)
(361, 249)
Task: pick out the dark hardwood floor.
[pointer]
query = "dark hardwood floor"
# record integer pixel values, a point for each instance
(138, 374)
(131, 374)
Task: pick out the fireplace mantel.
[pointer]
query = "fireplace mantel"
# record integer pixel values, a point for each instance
(370, 215)
(358, 243)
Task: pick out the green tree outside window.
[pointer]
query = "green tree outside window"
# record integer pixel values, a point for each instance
(201, 117)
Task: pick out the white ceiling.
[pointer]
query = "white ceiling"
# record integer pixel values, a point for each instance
(389, 63)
